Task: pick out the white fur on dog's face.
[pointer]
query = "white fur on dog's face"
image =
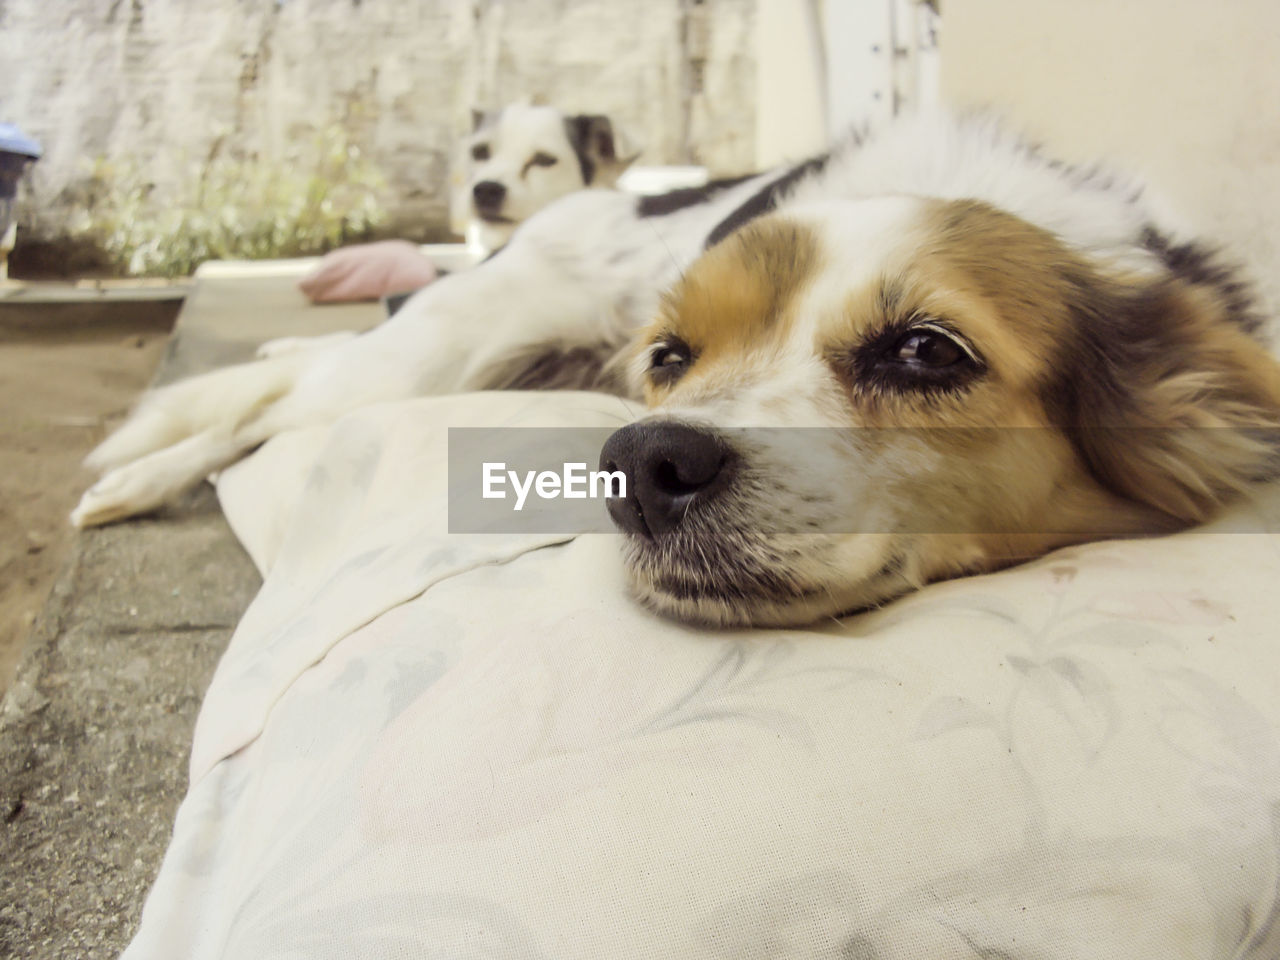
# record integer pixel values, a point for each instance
(526, 150)
(860, 467)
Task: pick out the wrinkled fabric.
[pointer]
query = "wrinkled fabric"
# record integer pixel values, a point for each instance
(429, 746)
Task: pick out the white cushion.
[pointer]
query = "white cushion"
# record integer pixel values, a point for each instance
(433, 746)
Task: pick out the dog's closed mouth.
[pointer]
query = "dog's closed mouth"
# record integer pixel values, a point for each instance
(773, 590)
(701, 566)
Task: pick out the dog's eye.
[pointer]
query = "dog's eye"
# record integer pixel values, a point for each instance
(480, 152)
(668, 360)
(669, 356)
(929, 347)
(922, 356)
(541, 159)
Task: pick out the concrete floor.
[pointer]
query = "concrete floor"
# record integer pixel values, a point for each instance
(95, 731)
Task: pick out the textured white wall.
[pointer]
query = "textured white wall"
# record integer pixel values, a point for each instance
(1183, 91)
(790, 124)
(161, 80)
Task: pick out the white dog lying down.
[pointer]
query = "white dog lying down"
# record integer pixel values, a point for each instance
(515, 162)
(941, 276)
(524, 157)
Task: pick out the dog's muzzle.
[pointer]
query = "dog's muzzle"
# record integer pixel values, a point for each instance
(488, 196)
(673, 470)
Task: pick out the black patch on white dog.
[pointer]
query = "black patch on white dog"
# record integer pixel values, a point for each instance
(765, 200)
(1200, 265)
(661, 204)
(549, 366)
(591, 136)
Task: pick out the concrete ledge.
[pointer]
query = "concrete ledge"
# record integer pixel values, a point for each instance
(91, 291)
(33, 309)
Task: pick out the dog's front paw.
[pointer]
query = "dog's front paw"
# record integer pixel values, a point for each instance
(283, 346)
(287, 346)
(123, 492)
(102, 503)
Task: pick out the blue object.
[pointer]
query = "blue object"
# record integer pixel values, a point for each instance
(13, 140)
(16, 151)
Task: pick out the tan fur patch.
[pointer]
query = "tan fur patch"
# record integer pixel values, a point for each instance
(736, 298)
(1190, 416)
(1019, 295)
(1092, 403)
(1158, 390)
(991, 276)
(1007, 276)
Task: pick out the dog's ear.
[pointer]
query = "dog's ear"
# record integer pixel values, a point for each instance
(604, 151)
(1167, 391)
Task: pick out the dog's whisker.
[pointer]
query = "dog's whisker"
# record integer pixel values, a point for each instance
(680, 269)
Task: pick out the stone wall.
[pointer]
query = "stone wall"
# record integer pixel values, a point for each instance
(158, 87)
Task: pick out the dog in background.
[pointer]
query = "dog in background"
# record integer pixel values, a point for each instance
(524, 157)
(515, 162)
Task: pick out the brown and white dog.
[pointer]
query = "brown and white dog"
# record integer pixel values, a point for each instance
(989, 354)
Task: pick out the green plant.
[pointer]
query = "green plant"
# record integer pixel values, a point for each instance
(324, 195)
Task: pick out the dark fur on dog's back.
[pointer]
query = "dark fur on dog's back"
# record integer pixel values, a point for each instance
(1201, 265)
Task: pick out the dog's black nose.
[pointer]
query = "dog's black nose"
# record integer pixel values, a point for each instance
(489, 195)
(670, 468)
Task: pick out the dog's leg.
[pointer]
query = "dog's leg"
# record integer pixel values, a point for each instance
(455, 335)
(464, 332)
(284, 346)
(151, 481)
(227, 397)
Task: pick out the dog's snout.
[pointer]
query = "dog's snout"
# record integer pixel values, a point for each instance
(488, 195)
(670, 468)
